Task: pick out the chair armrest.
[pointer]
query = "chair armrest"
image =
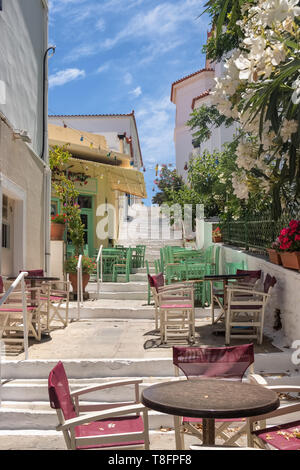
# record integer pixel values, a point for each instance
(247, 291)
(82, 391)
(181, 290)
(284, 388)
(90, 417)
(257, 379)
(281, 411)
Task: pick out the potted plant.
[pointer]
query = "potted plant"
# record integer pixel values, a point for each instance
(275, 252)
(290, 245)
(58, 224)
(217, 235)
(88, 267)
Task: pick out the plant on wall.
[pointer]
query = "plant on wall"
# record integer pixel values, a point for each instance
(67, 194)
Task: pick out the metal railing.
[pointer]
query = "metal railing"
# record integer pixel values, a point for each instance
(252, 234)
(79, 286)
(10, 290)
(99, 263)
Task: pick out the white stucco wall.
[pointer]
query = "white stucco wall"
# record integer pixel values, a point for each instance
(184, 93)
(23, 41)
(219, 136)
(106, 125)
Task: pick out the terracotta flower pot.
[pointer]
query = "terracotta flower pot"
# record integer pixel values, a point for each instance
(57, 231)
(291, 259)
(73, 280)
(274, 256)
(217, 239)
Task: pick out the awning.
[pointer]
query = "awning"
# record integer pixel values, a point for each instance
(128, 181)
(125, 180)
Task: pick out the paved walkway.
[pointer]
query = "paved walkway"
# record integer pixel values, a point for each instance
(122, 338)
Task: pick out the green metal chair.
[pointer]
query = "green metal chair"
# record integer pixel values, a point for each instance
(231, 268)
(175, 272)
(123, 267)
(197, 271)
(157, 266)
(141, 251)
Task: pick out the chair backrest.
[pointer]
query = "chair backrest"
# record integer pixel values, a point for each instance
(59, 392)
(252, 274)
(156, 281)
(232, 268)
(230, 362)
(269, 282)
(35, 272)
(1, 285)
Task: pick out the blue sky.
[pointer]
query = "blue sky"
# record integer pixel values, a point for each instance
(115, 56)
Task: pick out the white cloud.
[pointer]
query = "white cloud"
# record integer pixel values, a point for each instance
(136, 92)
(100, 25)
(64, 76)
(162, 28)
(128, 78)
(103, 68)
(156, 120)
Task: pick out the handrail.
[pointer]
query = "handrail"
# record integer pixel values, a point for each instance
(20, 279)
(99, 271)
(79, 285)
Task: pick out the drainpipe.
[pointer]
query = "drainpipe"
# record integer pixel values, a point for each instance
(44, 157)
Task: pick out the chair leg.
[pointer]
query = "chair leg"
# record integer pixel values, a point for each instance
(179, 439)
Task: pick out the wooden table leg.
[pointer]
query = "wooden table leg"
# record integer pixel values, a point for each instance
(208, 431)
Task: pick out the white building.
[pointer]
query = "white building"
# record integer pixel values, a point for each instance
(189, 93)
(24, 174)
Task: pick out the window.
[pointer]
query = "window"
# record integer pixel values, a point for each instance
(5, 225)
(5, 236)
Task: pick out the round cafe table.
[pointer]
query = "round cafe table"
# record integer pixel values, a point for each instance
(209, 399)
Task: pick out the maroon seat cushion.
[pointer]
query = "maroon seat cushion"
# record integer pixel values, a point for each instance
(270, 281)
(122, 425)
(156, 281)
(1, 285)
(281, 437)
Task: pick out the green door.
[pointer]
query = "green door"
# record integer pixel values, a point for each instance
(87, 217)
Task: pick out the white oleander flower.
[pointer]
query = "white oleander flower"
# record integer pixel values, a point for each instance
(296, 94)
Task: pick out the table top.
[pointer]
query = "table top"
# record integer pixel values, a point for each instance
(220, 277)
(36, 278)
(210, 398)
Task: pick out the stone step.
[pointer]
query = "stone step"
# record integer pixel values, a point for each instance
(131, 295)
(32, 439)
(118, 286)
(36, 390)
(275, 367)
(112, 309)
(39, 416)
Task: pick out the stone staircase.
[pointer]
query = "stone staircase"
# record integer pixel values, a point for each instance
(26, 419)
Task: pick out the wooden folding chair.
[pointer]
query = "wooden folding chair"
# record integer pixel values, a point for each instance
(97, 426)
(230, 363)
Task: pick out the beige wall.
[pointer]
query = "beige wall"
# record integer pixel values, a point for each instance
(22, 176)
